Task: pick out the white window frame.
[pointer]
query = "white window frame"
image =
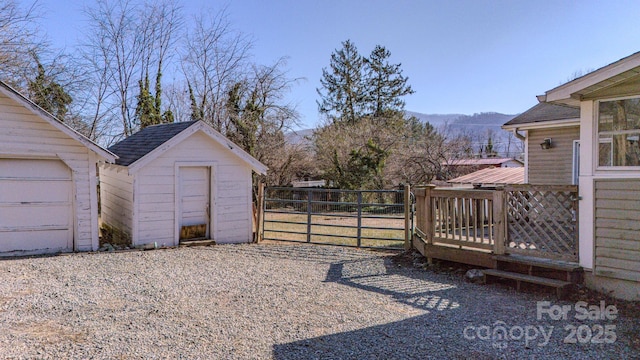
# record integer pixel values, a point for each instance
(575, 167)
(597, 140)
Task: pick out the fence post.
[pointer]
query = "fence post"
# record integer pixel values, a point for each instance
(407, 218)
(260, 210)
(359, 230)
(500, 218)
(309, 211)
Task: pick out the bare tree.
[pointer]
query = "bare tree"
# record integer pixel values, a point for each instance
(19, 41)
(356, 155)
(258, 117)
(126, 40)
(290, 162)
(514, 147)
(423, 156)
(214, 57)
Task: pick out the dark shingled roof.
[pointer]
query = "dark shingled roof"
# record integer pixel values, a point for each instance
(145, 141)
(545, 112)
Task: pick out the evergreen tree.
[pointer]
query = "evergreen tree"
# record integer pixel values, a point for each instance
(363, 98)
(149, 106)
(244, 117)
(489, 151)
(385, 85)
(342, 91)
(49, 94)
(145, 109)
(196, 112)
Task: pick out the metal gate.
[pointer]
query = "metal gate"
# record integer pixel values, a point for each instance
(358, 218)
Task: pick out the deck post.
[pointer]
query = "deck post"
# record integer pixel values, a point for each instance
(419, 192)
(407, 218)
(500, 218)
(429, 218)
(429, 214)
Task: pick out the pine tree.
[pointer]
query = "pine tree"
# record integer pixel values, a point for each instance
(342, 91)
(385, 85)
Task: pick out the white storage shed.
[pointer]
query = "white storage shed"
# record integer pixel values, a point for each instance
(48, 181)
(178, 182)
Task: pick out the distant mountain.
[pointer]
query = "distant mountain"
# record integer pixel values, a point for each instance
(434, 119)
(479, 120)
(478, 125)
(298, 136)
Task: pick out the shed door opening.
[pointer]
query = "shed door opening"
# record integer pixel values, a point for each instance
(195, 184)
(36, 205)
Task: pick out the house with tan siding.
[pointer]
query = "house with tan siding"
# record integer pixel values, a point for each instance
(587, 132)
(556, 163)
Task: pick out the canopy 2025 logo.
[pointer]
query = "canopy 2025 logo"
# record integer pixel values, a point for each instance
(597, 333)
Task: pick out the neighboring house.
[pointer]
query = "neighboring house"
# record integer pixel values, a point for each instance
(309, 183)
(460, 167)
(484, 163)
(48, 187)
(607, 127)
(490, 177)
(178, 182)
(555, 163)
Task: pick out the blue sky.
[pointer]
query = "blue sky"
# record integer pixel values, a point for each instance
(461, 56)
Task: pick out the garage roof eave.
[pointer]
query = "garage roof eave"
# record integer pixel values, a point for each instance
(43, 114)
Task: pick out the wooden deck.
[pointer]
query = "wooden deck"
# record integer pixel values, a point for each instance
(482, 227)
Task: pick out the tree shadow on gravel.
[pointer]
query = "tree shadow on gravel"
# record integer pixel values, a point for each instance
(406, 339)
(412, 338)
(381, 275)
(453, 312)
(323, 254)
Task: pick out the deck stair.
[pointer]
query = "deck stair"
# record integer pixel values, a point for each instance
(560, 275)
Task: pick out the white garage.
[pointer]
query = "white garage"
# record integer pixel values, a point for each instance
(48, 187)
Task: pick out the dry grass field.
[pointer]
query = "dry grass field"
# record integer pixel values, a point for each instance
(337, 230)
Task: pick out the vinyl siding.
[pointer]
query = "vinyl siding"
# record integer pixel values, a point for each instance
(617, 224)
(25, 134)
(552, 166)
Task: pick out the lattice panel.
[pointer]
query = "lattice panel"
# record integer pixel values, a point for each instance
(543, 222)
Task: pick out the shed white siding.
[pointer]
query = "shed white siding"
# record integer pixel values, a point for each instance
(155, 193)
(116, 197)
(25, 135)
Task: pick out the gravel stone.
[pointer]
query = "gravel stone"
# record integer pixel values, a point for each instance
(274, 302)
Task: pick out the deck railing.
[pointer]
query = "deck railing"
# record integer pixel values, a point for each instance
(495, 221)
(463, 219)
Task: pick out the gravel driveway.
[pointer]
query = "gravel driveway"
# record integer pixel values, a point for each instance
(277, 301)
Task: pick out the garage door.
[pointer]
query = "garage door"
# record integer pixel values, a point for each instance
(35, 205)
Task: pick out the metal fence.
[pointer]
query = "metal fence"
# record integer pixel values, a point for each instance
(359, 218)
